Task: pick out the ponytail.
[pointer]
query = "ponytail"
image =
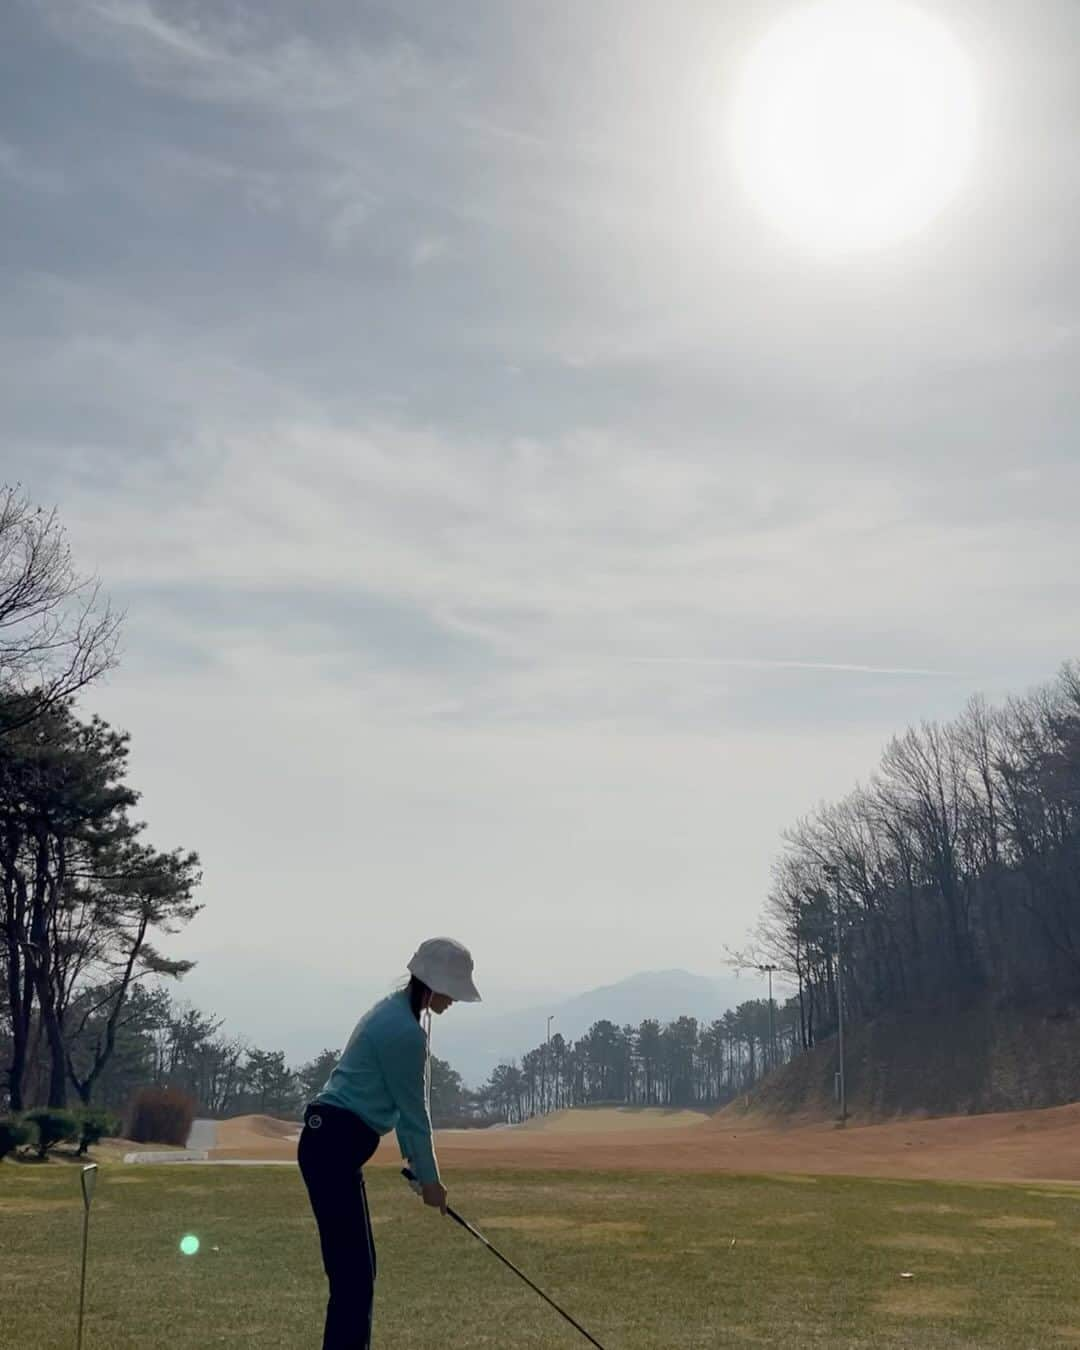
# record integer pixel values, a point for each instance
(419, 994)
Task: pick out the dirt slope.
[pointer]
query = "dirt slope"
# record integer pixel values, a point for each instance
(944, 1061)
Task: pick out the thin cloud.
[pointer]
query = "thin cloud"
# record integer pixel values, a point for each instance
(142, 19)
(242, 60)
(758, 663)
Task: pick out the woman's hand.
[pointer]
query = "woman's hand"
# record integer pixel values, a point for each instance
(434, 1193)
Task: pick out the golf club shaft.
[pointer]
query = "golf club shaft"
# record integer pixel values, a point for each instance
(522, 1276)
(87, 1180)
(82, 1278)
(475, 1232)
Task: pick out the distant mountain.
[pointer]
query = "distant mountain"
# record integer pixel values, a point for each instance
(474, 1040)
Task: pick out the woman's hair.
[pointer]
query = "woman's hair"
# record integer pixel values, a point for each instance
(418, 993)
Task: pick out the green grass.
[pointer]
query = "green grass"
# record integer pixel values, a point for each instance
(645, 1261)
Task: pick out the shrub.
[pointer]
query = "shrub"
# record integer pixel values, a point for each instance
(12, 1133)
(95, 1126)
(52, 1126)
(161, 1116)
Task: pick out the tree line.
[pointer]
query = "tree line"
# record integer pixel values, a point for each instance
(684, 1063)
(160, 1042)
(954, 873)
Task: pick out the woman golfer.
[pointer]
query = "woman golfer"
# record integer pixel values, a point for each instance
(382, 1082)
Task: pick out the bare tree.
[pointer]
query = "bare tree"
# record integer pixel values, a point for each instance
(954, 876)
(57, 632)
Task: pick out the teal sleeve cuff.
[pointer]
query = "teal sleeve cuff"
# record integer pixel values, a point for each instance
(418, 1152)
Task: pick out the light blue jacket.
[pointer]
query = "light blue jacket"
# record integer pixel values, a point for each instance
(380, 1078)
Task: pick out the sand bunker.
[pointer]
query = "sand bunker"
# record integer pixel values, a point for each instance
(251, 1136)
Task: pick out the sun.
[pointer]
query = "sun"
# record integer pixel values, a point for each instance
(853, 123)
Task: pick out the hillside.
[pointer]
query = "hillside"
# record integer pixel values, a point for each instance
(976, 1059)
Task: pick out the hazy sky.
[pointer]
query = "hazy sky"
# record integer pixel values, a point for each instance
(516, 531)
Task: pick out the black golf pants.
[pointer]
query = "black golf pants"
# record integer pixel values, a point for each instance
(334, 1146)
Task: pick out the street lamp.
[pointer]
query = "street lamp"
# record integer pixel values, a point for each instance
(768, 970)
(833, 874)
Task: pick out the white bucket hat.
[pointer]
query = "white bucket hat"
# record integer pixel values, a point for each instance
(446, 967)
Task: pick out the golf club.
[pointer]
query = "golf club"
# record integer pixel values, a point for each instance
(414, 1182)
(87, 1180)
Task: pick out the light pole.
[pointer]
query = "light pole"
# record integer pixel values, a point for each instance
(840, 1017)
(833, 875)
(768, 970)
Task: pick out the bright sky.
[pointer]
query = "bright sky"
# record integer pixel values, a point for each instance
(518, 526)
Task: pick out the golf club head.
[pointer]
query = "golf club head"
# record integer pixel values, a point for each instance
(88, 1180)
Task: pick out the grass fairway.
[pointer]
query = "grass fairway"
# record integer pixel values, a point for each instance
(644, 1260)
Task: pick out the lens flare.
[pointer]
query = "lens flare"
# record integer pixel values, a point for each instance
(189, 1244)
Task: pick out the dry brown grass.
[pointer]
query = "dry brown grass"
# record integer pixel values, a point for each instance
(647, 1260)
(928, 1242)
(970, 1148)
(1005, 1223)
(910, 1299)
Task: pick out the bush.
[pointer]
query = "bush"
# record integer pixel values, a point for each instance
(161, 1116)
(52, 1126)
(12, 1133)
(95, 1126)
